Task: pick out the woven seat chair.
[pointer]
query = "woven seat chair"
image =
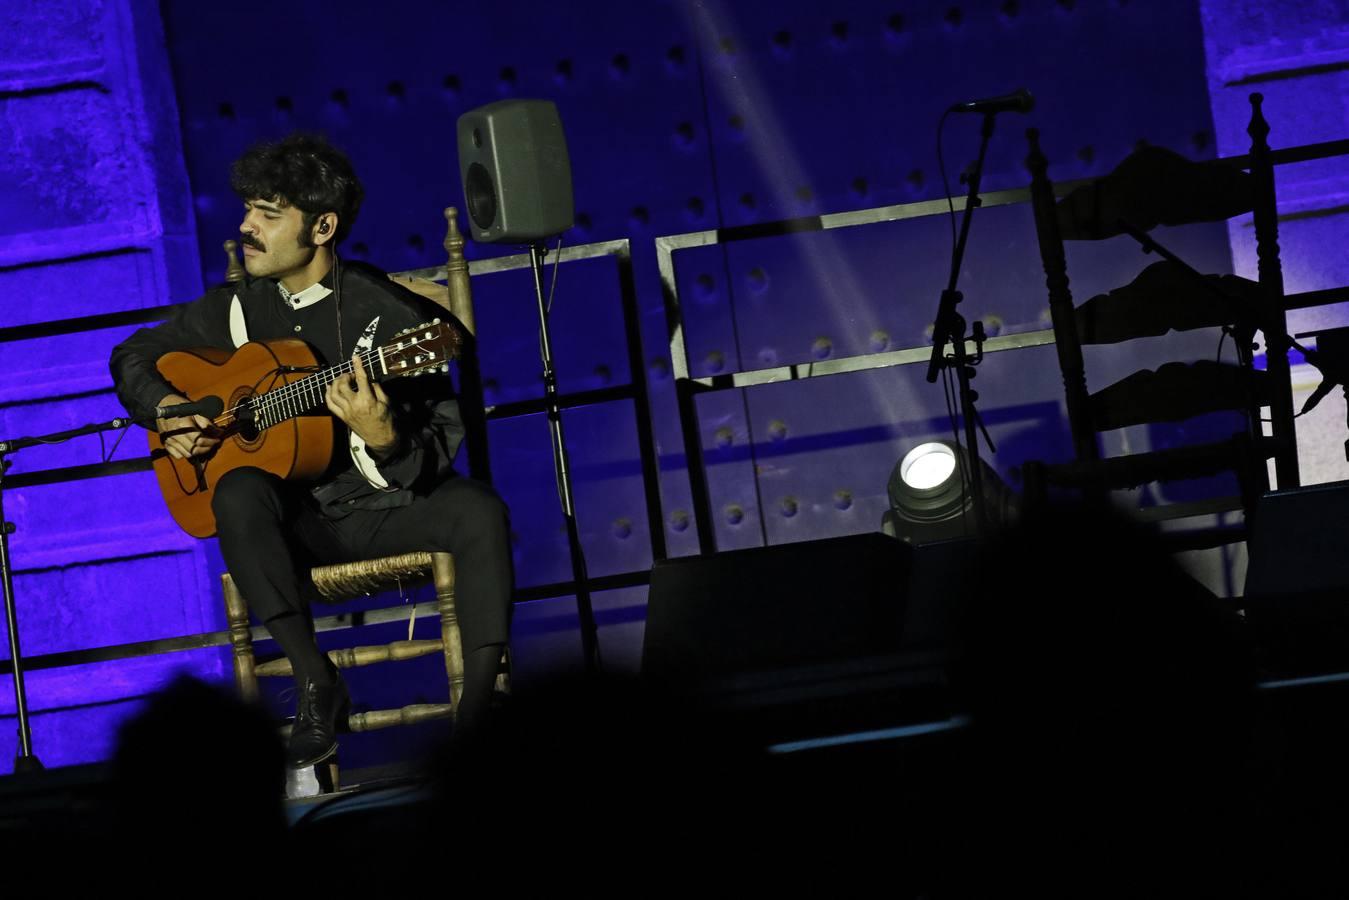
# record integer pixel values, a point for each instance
(344, 581)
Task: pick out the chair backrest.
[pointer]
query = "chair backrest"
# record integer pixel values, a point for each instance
(1152, 187)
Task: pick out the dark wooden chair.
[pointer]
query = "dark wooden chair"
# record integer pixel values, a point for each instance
(1151, 187)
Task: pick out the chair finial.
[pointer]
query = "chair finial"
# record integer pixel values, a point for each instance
(234, 270)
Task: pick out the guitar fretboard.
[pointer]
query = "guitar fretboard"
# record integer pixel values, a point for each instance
(304, 396)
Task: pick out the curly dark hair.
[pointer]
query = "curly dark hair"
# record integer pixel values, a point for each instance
(304, 171)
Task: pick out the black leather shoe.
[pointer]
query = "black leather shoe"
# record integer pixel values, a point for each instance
(320, 713)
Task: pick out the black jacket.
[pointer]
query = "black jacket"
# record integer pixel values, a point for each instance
(426, 414)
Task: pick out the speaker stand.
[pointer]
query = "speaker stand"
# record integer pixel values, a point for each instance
(590, 646)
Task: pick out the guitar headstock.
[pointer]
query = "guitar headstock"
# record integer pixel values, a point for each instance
(428, 347)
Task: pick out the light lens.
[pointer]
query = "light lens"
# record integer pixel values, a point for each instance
(927, 466)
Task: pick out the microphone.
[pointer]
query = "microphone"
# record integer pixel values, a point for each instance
(210, 407)
(1019, 100)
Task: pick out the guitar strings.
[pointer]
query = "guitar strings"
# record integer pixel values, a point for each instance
(300, 396)
(277, 400)
(272, 400)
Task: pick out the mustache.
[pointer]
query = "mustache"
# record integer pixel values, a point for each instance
(249, 240)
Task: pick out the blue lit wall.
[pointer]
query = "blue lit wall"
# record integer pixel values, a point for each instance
(96, 218)
(680, 116)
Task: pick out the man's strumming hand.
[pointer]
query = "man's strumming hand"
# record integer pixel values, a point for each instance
(186, 436)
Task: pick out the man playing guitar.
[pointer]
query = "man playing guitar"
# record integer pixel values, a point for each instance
(390, 487)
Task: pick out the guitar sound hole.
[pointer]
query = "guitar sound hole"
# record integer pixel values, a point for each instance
(248, 429)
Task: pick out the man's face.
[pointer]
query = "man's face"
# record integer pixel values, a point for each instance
(270, 233)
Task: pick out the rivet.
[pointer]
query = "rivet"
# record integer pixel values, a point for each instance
(992, 325)
(758, 279)
(604, 374)
(283, 104)
(777, 430)
(723, 437)
(789, 507)
(640, 216)
(659, 369)
(954, 17)
(679, 520)
(622, 528)
(715, 361)
(822, 348)
(879, 340)
(707, 285)
(735, 513)
(859, 186)
(842, 498)
(339, 97)
(226, 110)
(768, 356)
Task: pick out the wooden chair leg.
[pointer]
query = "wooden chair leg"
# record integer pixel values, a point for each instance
(241, 639)
(442, 572)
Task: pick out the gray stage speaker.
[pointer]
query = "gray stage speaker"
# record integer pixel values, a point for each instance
(516, 172)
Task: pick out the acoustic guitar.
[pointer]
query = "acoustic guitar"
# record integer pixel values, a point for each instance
(274, 415)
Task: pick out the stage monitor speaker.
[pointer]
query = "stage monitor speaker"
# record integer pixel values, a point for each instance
(516, 172)
(1297, 579)
(768, 608)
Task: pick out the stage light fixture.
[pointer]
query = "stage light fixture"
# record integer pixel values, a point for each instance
(928, 498)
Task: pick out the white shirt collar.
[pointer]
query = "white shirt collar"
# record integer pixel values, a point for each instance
(307, 297)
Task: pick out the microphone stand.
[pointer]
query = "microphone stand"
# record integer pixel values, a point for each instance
(25, 760)
(950, 326)
(585, 612)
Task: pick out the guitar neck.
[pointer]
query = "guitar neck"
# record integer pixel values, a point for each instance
(307, 394)
(421, 349)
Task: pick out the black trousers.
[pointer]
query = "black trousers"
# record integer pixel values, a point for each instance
(272, 532)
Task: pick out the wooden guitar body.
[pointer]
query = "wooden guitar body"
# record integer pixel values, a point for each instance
(299, 448)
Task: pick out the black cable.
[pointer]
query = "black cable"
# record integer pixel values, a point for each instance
(108, 456)
(949, 391)
(730, 295)
(552, 289)
(946, 184)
